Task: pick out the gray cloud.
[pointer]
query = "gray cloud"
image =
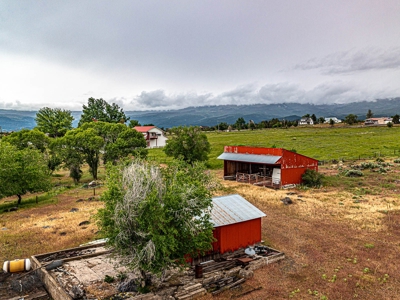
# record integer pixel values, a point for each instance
(354, 61)
(167, 55)
(332, 92)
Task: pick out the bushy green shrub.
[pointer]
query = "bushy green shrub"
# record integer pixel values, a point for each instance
(354, 173)
(312, 178)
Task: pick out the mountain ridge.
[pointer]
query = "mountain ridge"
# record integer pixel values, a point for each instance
(11, 120)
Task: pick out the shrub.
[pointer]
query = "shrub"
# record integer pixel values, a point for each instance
(390, 124)
(354, 173)
(312, 178)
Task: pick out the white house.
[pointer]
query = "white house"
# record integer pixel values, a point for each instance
(334, 119)
(154, 136)
(306, 121)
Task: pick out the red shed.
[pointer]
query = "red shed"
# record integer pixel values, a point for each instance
(275, 167)
(237, 223)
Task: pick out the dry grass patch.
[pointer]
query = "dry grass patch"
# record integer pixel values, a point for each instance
(49, 228)
(338, 244)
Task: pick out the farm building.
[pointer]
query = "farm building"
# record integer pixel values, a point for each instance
(334, 119)
(237, 223)
(306, 121)
(378, 121)
(271, 167)
(154, 136)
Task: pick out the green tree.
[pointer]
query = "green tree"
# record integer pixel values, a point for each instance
(133, 123)
(26, 138)
(240, 123)
(331, 122)
(369, 114)
(101, 110)
(351, 119)
(396, 119)
(82, 144)
(119, 140)
(22, 171)
(89, 142)
(190, 143)
(72, 159)
(36, 139)
(56, 122)
(222, 126)
(154, 217)
(321, 120)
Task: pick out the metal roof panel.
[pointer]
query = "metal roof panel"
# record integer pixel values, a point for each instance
(253, 158)
(233, 209)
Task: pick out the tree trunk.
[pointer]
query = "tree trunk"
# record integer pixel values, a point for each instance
(19, 199)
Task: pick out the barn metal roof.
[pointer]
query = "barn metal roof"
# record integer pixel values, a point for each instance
(233, 209)
(253, 158)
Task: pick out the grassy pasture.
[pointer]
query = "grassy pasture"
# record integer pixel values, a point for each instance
(323, 143)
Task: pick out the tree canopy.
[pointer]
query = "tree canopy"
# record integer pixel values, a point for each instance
(27, 138)
(56, 122)
(369, 114)
(101, 110)
(240, 123)
(189, 143)
(94, 140)
(155, 216)
(22, 171)
(351, 119)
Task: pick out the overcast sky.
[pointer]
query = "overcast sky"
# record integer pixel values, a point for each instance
(173, 54)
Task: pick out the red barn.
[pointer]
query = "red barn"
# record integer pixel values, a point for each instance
(275, 167)
(237, 223)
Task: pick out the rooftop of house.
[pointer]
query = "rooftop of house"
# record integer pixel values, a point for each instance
(143, 129)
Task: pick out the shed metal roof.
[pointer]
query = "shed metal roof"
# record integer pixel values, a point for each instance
(253, 158)
(233, 209)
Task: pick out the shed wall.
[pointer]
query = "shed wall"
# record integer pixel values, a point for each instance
(253, 150)
(235, 236)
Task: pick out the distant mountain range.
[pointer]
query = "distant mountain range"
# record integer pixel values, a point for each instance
(212, 115)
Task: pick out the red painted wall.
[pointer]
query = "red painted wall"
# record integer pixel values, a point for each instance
(235, 236)
(253, 150)
(293, 165)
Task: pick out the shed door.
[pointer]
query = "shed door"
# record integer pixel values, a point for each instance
(276, 176)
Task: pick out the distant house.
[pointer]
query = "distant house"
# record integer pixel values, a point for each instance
(334, 119)
(306, 121)
(154, 136)
(378, 121)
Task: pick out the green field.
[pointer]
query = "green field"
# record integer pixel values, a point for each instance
(322, 143)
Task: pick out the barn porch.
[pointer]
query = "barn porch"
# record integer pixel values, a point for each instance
(254, 169)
